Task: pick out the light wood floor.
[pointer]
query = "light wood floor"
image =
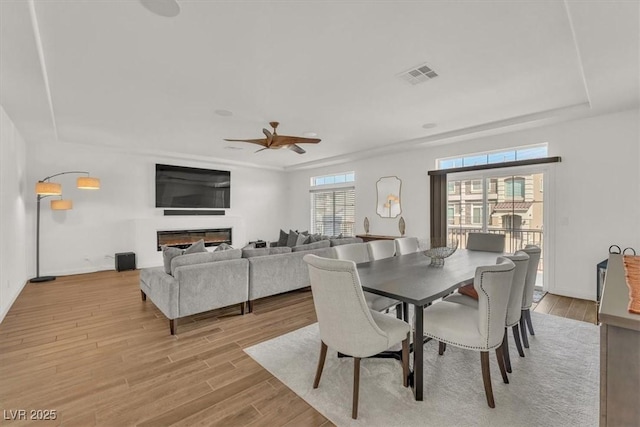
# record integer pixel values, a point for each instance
(89, 348)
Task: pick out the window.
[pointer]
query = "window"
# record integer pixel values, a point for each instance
(333, 212)
(333, 204)
(451, 211)
(341, 178)
(451, 186)
(476, 186)
(522, 153)
(514, 187)
(476, 214)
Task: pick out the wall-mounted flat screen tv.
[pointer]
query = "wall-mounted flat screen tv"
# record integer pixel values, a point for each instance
(183, 187)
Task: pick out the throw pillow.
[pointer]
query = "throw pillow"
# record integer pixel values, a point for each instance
(195, 248)
(284, 236)
(301, 239)
(169, 253)
(224, 247)
(292, 239)
(468, 290)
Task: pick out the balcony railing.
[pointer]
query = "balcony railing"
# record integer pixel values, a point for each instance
(514, 239)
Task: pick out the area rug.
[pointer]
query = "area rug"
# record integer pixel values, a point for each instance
(556, 384)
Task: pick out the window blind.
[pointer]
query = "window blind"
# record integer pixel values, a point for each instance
(333, 212)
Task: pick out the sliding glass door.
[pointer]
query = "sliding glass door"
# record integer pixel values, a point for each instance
(497, 202)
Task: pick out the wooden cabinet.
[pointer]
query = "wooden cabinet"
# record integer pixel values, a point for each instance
(370, 237)
(619, 351)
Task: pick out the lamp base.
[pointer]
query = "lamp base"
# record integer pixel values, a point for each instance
(40, 279)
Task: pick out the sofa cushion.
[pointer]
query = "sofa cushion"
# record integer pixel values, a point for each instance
(311, 246)
(203, 257)
(282, 240)
(292, 239)
(223, 247)
(169, 253)
(251, 252)
(195, 248)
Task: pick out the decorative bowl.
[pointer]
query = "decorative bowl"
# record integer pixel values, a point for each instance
(439, 252)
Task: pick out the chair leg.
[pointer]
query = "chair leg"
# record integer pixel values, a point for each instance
(516, 338)
(250, 306)
(442, 347)
(405, 311)
(486, 378)
(144, 296)
(323, 356)
(242, 308)
(405, 362)
(523, 331)
(505, 351)
(356, 386)
(399, 311)
(500, 356)
(172, 326)
(527, 318)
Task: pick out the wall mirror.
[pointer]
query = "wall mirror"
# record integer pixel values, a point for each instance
(388, 189)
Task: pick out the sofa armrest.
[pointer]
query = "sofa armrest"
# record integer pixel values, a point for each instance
(212, 285)
(162, 289)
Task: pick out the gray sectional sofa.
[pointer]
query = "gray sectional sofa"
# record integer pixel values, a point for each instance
(205, 281)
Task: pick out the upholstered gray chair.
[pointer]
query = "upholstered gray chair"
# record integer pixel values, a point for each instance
(534, 253)
(406, 245)
(346, 322)
(358, 252)
(521, 261)
(485, 242)
(381, 249)
(478, 328)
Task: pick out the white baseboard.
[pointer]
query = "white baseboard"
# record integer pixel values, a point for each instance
(12, 300)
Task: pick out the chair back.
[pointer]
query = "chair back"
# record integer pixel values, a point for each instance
(406, 245)
(345, 322)
(532, 272)
(381, 249)
(485, 242)
(514, 309)
(356, 252)
(493, 284)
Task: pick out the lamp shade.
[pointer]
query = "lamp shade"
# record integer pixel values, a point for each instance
(88, 183)
(44, 188)
(61, 205)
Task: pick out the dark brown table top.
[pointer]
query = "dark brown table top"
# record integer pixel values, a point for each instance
(410, 278)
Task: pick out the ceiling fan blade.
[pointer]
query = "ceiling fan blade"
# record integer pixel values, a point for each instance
(268, 135)
(279, 140)
(262, 149)
(299, 150)
(261, 141)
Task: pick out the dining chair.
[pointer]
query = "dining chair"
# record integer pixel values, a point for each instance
(486, 242)
(478, 328)
(521, 261)
(381, 249)
(358, 252)
(534, 253)
(347, 324)
(406, 245)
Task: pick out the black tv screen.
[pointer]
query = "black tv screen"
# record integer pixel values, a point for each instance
(182, 187)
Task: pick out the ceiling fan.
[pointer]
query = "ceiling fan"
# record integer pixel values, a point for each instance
(275, 141)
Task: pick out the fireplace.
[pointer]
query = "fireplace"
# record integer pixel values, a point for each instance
(184, 238)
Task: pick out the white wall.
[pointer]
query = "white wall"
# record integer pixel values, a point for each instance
(596, 186)
(14, 234)
(118, 217)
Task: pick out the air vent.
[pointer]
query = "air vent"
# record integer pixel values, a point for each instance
(419, 74)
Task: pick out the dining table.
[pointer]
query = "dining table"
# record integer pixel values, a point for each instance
(412, 279)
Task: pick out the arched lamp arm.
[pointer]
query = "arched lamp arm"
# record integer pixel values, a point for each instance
(62, 173)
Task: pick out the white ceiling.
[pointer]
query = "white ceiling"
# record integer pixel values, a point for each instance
(118, 75)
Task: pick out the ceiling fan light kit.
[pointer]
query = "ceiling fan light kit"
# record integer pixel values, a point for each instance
(166, 8)
(274, 141)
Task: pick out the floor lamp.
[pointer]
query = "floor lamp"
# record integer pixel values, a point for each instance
(46, 188)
